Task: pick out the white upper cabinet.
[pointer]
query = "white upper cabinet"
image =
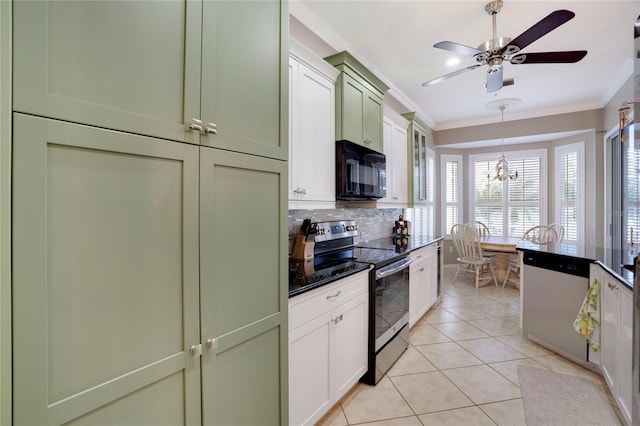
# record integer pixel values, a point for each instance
(311, 129)
(394, 135)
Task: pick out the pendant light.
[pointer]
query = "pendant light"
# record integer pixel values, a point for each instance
(502, 166)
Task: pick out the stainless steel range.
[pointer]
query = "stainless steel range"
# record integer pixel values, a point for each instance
(326, 251)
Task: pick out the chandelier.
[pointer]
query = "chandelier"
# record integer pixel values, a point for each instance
(502, 166)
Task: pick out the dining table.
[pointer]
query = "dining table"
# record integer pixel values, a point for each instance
(503, 249)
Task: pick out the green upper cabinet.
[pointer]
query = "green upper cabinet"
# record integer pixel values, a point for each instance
(418, 137)
(191, 71)
(359, 100)
(244, 49)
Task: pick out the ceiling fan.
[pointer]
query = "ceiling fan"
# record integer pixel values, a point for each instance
(499, 49)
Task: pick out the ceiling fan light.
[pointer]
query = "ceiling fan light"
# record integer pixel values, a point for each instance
(452, 62)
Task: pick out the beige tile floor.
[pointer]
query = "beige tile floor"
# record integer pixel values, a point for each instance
(461, 367)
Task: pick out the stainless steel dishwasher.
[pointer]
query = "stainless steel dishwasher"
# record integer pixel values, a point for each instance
(553, 292)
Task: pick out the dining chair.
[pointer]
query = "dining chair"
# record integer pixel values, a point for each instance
(470, 253)
(559, 231)
(481, 229)
(540, 234)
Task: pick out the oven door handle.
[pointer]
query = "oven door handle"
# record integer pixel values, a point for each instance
(393, 268)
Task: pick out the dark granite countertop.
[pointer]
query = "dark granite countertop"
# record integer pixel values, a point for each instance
(403, 243)
(590, 253)
(305, 276)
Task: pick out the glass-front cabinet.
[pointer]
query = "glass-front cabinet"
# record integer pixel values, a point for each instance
(417, 135)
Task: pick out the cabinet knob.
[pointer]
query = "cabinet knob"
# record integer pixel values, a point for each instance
(195, 125)
(212, 343)
(196, 350)
(211, 129)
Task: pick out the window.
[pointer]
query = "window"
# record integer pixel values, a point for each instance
(451, 191)
(509, 207)
(569, 198)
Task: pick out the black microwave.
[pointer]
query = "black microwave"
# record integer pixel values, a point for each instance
(360, 172)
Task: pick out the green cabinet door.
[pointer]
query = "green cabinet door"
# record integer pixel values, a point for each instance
(417, 135)
(350, 100)
(373, 112)
(124, 65)
(243, 234)
(358, 113)
(105, 277)
(244, 78)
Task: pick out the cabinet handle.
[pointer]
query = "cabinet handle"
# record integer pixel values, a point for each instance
(337, 319)
(304, 191)
(212, 343)
(196, 350)
(195, 125)
(611, 286)
(334, 296)
(300, 190)
(211, 129)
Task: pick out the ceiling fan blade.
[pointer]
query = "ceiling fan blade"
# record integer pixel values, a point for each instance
(457, 48)
(448, 76)
(544, 26)
(494, 80)
(567, 57)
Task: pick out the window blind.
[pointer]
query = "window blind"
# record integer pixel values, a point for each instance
(569, 190)
(509, 207)
(451, 190)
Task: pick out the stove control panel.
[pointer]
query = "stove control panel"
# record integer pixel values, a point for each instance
(326, 231)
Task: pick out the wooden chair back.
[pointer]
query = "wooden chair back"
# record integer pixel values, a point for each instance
(540, 234)
(465, 239)
(559, 231)
(482, 230)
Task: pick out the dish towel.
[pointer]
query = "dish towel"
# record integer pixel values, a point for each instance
(587, 322)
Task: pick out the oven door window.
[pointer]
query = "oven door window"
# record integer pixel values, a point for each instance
(392, 304)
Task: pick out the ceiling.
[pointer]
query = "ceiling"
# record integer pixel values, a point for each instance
(395, 38)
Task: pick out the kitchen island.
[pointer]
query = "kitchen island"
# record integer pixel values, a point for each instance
(555, 281)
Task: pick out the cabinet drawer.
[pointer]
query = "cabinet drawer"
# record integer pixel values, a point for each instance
(420, 254)
(310, 305)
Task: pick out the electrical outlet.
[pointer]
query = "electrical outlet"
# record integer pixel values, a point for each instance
(450, 249)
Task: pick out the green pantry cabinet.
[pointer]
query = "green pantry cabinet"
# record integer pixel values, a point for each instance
(147, 287)
(359, 102)
(157, 68)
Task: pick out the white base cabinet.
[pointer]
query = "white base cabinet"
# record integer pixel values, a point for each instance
(423, 282)
(616, 339)
(327, 346)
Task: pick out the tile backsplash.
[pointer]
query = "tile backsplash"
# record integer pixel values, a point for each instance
(372, 223)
